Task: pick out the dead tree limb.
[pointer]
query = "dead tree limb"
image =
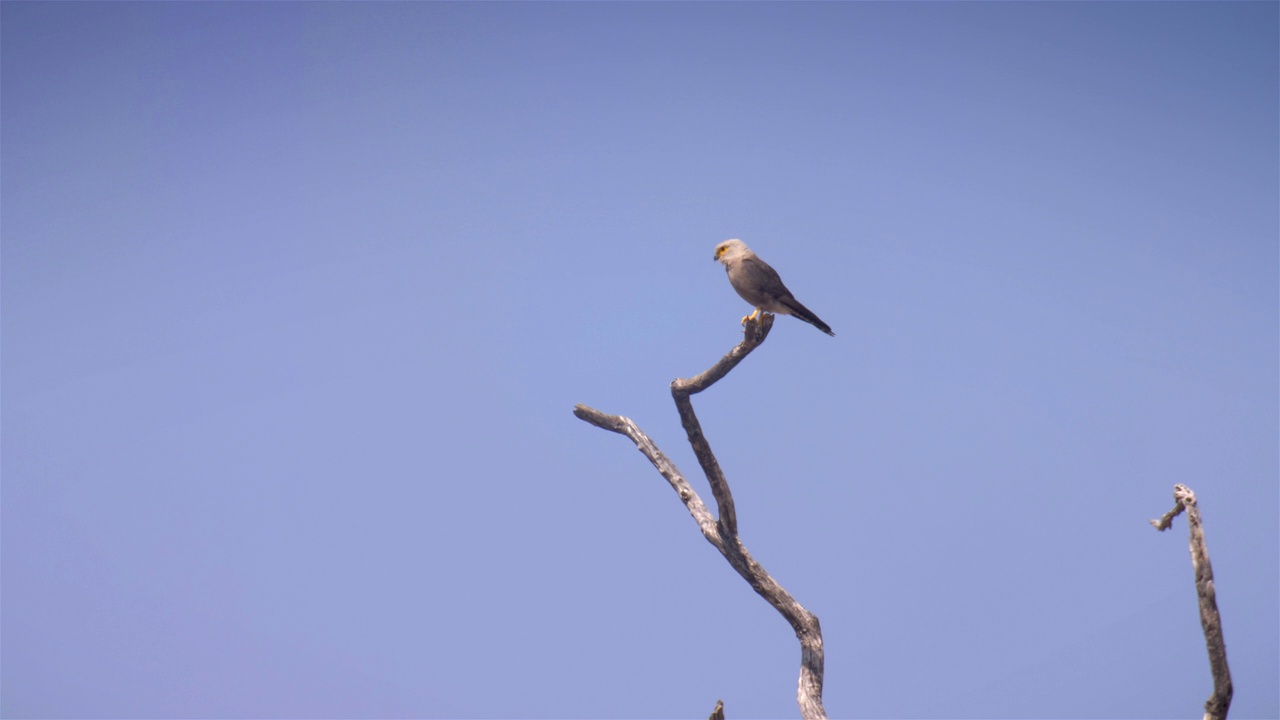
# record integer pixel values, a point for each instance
(722, 533)
(1218, 704)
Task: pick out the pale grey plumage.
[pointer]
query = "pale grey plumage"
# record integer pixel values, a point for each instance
(760, 285)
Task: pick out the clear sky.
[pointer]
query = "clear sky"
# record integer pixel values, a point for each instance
(298, 299)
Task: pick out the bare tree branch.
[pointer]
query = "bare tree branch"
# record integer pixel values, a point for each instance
(1218, 704)
(754, 333)
(624, 426)
(723, 533)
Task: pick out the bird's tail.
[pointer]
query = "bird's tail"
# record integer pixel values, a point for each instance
(807, 315)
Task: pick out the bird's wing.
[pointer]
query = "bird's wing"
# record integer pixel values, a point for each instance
(762, 279)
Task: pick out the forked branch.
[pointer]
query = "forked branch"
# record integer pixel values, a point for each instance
(723, 532)
(1218, 704)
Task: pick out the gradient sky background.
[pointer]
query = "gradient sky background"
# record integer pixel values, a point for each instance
(298, 300)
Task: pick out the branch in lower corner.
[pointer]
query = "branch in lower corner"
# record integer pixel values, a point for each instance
(1215, 708)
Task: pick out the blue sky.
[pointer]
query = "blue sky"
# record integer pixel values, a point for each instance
(298, 299)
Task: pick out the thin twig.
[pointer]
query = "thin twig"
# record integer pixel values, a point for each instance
(1220, 702)
(1166, 520)
(723, 534)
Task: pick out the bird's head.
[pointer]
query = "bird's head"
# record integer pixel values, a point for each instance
(730, 250)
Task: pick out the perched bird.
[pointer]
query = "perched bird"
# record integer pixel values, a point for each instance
(760, 285)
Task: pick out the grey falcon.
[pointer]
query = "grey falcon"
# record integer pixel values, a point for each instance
(760, 285)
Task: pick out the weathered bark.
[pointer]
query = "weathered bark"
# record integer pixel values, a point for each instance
(722, 533)
(1218, 704)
